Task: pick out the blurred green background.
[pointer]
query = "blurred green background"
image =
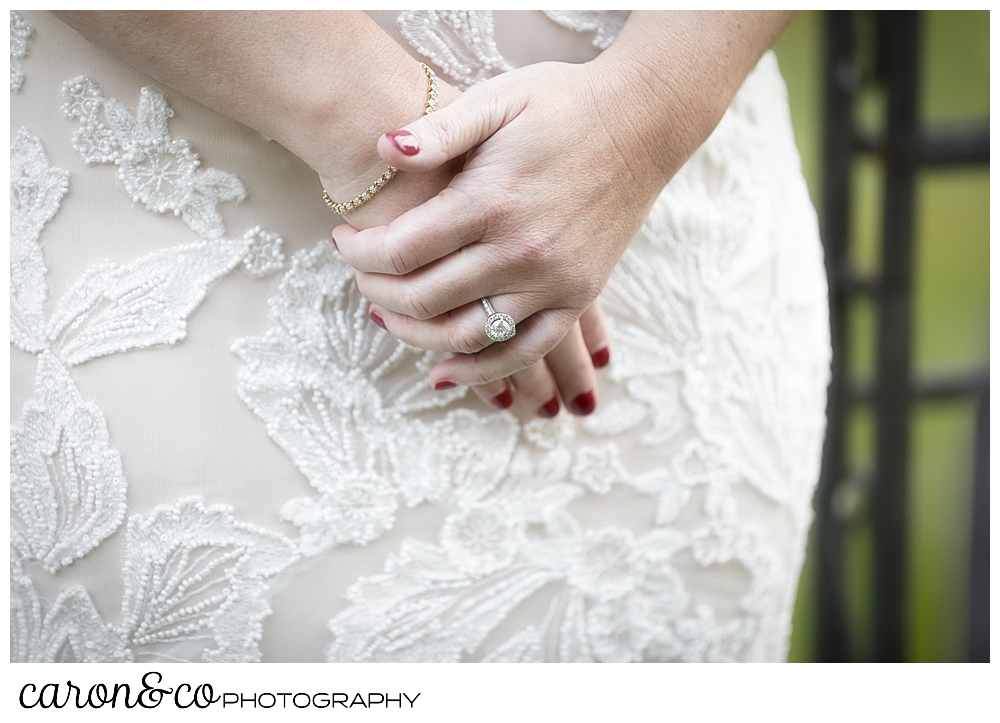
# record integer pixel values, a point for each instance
(950, 332)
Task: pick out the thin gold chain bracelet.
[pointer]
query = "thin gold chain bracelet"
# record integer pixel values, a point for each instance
(379, 183)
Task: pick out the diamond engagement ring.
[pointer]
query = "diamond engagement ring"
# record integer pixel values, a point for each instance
(499, 327)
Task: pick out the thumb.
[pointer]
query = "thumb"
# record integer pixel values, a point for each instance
(442, 135)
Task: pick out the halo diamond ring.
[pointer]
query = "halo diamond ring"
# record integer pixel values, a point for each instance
(499, 327)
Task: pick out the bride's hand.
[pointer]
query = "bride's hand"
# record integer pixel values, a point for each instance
(563, 164)
(567, 372)
(536, 220)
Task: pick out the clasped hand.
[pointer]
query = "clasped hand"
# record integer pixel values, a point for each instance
(555, 183)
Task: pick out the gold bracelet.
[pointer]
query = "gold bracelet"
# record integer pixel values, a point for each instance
(379, 183)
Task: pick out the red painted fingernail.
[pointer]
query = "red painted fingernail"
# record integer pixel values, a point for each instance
(334, 241)
(504, 399)
(443, 384)
(585, 403)
(376, 318)
(601, 357)
(405, 141)
(549, 409)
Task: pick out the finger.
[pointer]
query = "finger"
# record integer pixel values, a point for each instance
(415, 238)
(535, 389)
(536, 336)
(437, 137)
(595, 335)
(573, 371)
(497, 394)
(446, 285)
(459, 331)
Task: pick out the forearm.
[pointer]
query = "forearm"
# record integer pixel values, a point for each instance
(677, 72)
(325, 85)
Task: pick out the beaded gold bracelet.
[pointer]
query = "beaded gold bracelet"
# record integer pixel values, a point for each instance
(379, 183)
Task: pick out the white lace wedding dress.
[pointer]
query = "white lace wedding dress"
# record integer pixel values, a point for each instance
(216, 456)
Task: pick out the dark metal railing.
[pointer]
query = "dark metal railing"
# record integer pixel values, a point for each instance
(902, 150)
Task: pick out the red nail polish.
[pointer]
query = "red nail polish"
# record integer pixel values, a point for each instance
(601, 357)
(504, 399)
(443, 384)
(549, 409)
(405, 141)
(585, 403)
(376, 318)
(334, 241)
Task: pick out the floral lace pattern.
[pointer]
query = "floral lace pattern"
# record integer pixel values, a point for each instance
(156, 170)
(67, 486)
(20, 32)
(604, 24)
(36, 188)
(459, 42)
(195, 577)
(194, 580)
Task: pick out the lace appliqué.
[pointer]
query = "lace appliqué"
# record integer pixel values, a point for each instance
(264, 254)
(604, 24)
(20, 31)
(614, 599)
(114, 308)
(71, 631)
(36, 188)
(459, 42)
(194, 576)
(315, 380)
(195, 579)
(67, 487)
(156, 170)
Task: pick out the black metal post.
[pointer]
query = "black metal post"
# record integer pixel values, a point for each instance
(832, 640)
(902, 148)
(899, 35)
(979, 584)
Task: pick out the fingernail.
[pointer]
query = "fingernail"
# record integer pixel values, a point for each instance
(405, 141)
(584, 403)
(504, 399)
(601, 357)
(334, 242)
(443, 384)
(549, 409)
(376, 318)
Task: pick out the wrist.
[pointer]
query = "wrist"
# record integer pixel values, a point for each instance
(347, 168)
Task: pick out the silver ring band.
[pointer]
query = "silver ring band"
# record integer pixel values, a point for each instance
(499, 327)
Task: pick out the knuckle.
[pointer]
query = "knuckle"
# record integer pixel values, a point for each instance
(415, 303)
(392, 260)
(536, 248)
(461, 342)
(502, 204)
(522, 358)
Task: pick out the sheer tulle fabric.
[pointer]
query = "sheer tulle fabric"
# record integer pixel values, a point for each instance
(216, 456)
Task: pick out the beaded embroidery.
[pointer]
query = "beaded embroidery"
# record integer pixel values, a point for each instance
(156, 170)
(20, 32)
